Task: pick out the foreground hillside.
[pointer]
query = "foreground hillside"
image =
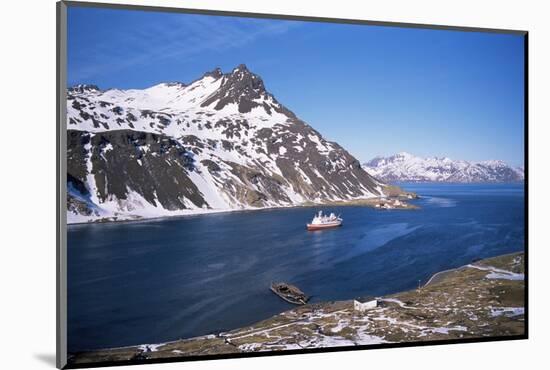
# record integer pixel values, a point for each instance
(483, 299)
(407, 167)
(222, 142)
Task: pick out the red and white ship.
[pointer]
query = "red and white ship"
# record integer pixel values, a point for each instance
(321, 222)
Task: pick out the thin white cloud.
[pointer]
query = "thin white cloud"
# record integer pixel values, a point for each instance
(183, 37)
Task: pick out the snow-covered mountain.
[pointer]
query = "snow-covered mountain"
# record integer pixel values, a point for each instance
(407, 167)
(221, 142)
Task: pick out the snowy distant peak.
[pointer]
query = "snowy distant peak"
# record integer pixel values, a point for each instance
(404, 155)
(493, 163)
(381, 161)
(521, 171)
(407, 167)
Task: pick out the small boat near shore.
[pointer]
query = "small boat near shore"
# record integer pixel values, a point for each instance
(289, 293)
(321, 222)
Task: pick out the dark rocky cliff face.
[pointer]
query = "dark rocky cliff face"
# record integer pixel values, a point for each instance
(222, 142)
(120, 163)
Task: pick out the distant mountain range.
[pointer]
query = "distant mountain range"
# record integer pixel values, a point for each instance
(222, 142)
(407, 167)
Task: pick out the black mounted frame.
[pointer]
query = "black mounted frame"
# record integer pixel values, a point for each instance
(61, 190)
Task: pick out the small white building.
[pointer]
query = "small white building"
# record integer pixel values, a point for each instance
(363, 305)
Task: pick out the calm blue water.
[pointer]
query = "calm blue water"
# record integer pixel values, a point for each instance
(156, 281)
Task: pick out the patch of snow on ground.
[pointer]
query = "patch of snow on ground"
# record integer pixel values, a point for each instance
(364, 338)
(445, 330)
(496, 273)
(398, 302)
(341, 325)
(250, 347)
(507, 311)
(150, 347)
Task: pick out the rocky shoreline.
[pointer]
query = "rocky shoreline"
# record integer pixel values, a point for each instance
(482, 299)
(396, 198)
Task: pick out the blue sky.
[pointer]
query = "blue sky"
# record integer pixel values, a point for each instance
(374, 90)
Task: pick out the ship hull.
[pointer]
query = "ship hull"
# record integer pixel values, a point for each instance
(298, 298)
(312, 227)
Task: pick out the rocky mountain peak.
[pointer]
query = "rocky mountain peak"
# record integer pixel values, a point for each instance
(81, 88)
(219, 143)
(242, 81)
(243, 88)
(241, 70)
(216, 73)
